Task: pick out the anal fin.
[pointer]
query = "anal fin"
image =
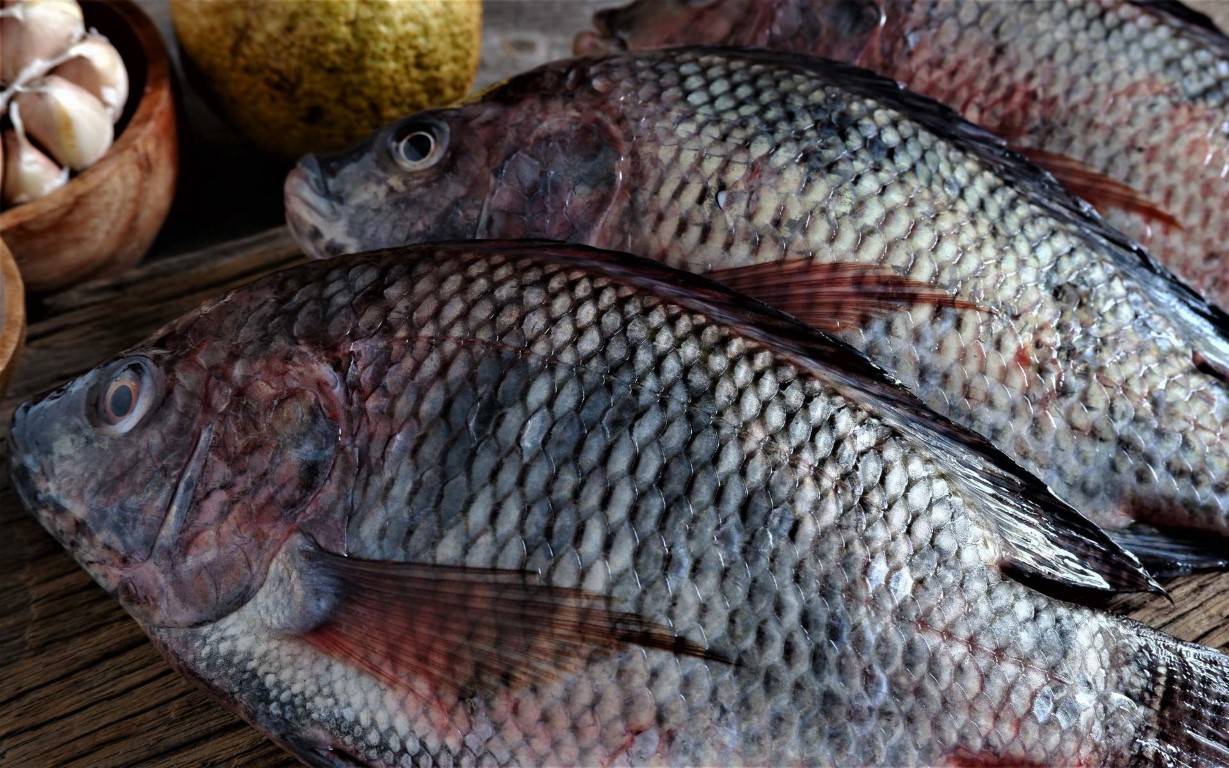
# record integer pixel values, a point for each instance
(467, 629)
(1097, 188)
(835, 296)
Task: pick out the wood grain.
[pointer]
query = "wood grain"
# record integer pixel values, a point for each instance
(81, 687)
(12, 316)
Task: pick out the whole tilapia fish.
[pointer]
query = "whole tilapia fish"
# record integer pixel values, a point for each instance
(859, 207)
(535, 505)
(1126, 102)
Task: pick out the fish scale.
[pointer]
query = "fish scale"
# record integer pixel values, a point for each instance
(647, 445)
(1134, 91)
(1073, 352)
(718, 396)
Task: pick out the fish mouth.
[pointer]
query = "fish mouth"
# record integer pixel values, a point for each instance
(20, 472)
(604, 40)
(28, 480)
(590, 43)
(310, 210)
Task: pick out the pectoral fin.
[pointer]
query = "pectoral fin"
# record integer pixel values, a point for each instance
(468, 629)
(833, 297)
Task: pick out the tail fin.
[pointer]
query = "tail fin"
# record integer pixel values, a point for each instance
(1188, 692)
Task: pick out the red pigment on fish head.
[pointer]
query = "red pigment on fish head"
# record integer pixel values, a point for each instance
(175, 476)
(531, 159)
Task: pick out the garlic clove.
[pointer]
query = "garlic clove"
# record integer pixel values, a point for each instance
(66, 119)
(96, 66)
(28, 173)
(37, 31)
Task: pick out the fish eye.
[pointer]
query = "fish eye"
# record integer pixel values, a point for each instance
(126, 398)
(419, 144)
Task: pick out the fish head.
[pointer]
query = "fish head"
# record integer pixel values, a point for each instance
(420, 178)
(838, 29)
(171, 475)
(528, 158)
(98, 460)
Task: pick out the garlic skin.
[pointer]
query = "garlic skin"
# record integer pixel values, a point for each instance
(28, 173)
(34, 32)
(96, 66)
(68, 120)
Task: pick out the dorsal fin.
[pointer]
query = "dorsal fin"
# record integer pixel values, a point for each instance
(1041, 534)
(1181, 12)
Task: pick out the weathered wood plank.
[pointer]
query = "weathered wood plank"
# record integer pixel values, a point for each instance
(81, 685)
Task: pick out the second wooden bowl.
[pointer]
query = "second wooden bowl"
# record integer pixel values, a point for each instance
(12, 317)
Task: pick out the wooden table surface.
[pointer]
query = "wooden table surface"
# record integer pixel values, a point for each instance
(80, 687)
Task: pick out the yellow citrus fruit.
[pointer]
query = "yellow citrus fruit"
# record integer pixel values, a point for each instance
(298, 76)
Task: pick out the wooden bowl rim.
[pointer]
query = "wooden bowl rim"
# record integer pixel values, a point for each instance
(13, 317)
(144, 119)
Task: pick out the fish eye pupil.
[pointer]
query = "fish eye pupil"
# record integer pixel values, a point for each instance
(121, 401)
(417, 146)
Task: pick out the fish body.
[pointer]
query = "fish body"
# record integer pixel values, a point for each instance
(1127, 101)
(530, 504)
(1060, 340)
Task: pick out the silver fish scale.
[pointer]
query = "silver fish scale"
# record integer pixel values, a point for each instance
(519, 416)
(1072, 370)
(1123, 89)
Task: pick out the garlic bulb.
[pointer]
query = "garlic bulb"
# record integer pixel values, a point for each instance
(62, 90)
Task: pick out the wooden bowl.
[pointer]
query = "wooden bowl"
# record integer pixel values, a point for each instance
(12, 317)
(105, 219)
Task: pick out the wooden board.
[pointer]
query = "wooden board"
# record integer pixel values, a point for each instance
(80, 687)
